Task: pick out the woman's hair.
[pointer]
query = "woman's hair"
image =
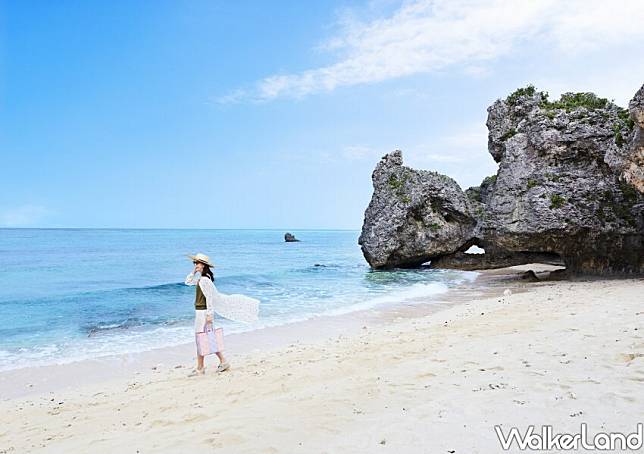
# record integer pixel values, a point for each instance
(207, 272)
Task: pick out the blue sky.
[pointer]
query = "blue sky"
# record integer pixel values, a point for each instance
(213, 114)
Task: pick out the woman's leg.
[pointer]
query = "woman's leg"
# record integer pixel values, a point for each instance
(200, 320)
(221, 357)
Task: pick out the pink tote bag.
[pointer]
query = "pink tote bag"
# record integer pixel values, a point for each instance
(210, 341)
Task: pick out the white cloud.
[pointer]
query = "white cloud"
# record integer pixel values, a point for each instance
(582, 26)
(232, 97)
(23, 216)
(424, 36)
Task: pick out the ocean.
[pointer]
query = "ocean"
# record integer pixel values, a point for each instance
(72, 294)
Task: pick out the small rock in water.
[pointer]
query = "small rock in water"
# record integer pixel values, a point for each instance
(290, 238)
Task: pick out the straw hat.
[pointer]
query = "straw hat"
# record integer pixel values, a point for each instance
(203, 258)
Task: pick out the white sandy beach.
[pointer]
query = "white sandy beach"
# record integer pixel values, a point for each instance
(558, 353)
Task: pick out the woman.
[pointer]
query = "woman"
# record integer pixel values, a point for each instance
(204, 305)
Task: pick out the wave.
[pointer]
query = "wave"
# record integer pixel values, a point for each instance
(95, 293)
(233, 281)
(128, 319)
(129, 323)
(132, 336)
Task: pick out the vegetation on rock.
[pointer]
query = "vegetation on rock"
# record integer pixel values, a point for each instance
(557, 201)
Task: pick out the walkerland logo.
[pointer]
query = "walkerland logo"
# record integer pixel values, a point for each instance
(548, 439)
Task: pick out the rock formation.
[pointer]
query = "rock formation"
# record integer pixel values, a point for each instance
(290, 238)
(412, 212)
(633, 162)
(569, 188)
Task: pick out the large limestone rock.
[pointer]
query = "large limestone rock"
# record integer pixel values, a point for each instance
(560, 185)
(414, 215)
(633, 163)
(569, 187)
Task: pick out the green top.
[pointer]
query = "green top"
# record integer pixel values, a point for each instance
(200, 299)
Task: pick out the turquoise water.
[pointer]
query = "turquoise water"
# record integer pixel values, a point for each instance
(69, 294)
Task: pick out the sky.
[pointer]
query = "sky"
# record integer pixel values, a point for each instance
(258, 114)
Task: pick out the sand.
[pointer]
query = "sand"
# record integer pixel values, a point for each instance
(552, 353)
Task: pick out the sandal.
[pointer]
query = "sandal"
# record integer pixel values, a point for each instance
(197, 372)
(223, 366)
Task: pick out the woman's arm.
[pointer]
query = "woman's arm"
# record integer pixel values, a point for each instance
(191, 279)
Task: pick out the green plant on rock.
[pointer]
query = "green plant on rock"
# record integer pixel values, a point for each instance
(434, 226)
(625, 118)
(520, 92)
(624, 123)
(532, 183)
(619, 139)
(474, 193)
(397, 185)
(572, 101)
(556, 201)
(394, 182)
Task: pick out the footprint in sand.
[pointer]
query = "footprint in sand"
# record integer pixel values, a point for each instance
(628, 357)
(195, 417)
(161, 423)
(425, 375)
